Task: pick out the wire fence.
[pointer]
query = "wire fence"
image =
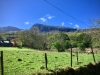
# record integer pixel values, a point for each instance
(17, 62)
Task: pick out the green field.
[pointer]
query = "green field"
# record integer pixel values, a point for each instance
(25, 61)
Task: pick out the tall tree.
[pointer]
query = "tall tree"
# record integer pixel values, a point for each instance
(33, 39)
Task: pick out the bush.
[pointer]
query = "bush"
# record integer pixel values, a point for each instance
(59, 47)
(90, 69)
(81, 46)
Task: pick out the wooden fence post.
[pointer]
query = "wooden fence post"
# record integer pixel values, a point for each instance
(2, 69)
(77, 58)
(93, 55)
(46, 61)
(71, 57)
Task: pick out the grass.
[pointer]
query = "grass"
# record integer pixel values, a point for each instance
(14, 49)
(27, 61)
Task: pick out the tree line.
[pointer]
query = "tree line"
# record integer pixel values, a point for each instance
(58, 40)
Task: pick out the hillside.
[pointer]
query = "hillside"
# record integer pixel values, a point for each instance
(48, 28)
(9, 29)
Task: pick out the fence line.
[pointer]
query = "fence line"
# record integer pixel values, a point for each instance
(45, 55)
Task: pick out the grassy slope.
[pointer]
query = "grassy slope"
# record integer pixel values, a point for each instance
(33, 61)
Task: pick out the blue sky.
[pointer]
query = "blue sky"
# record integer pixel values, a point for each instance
(24, 13)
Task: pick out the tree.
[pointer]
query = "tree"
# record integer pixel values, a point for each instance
(95, 27)
(61, 42)
(1, 38)
(33, 39)
(84, 41)
(23, 37)
(95, 30)
(81, 46)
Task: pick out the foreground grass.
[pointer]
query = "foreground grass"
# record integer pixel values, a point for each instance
(27, 61)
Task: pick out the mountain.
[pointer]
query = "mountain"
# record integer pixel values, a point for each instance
(9, 29)
(48, 28)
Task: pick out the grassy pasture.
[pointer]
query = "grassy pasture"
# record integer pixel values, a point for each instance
(26, 61)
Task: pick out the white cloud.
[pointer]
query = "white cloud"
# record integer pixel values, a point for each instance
(49, 16)
(70, 23)
(26, 23)
(43, 19)
(62, 23)
(76, 26)
(46, 17)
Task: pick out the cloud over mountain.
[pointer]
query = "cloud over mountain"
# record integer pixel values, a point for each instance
(26, 23)
(62, 23)
(46, 18)
(76, 26)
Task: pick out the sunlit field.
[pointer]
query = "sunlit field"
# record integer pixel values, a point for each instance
(26, 61)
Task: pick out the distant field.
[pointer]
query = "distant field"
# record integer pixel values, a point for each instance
(13, 49)
(26, 61)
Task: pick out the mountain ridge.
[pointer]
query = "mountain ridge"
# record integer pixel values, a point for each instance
(9, 29)
(42, 28)
(49, 28)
